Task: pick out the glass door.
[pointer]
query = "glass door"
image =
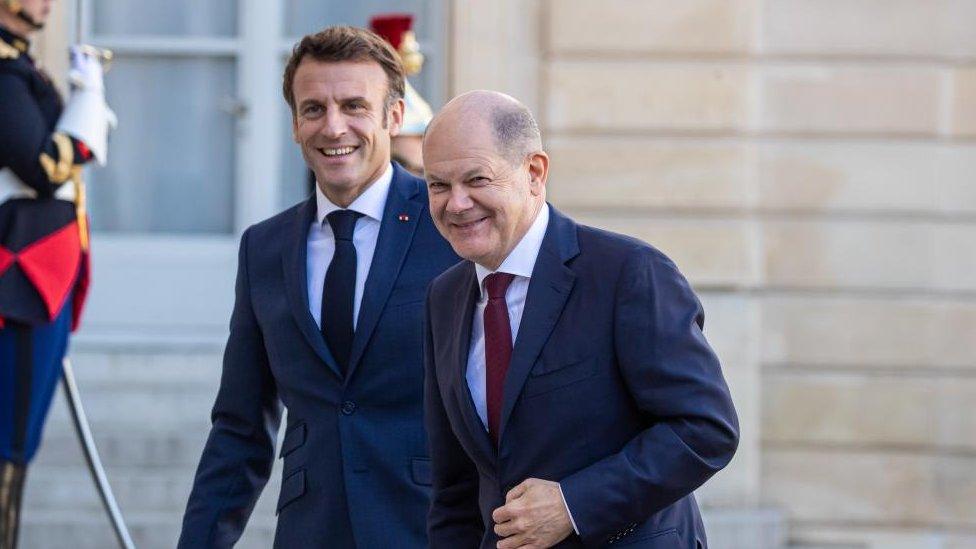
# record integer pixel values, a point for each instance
(172, 85)
(165, 210)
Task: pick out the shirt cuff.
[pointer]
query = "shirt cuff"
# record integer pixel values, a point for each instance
(568, 512)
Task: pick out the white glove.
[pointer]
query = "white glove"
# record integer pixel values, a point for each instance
(86, 70)
(86, 116)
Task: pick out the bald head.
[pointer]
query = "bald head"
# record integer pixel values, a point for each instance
(516, 133)
(486, 174)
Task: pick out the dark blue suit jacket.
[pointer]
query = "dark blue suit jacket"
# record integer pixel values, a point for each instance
(612, 391)
(356, 467)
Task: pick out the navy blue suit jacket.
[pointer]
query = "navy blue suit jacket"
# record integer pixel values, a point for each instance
(612, 391)
(356, 467)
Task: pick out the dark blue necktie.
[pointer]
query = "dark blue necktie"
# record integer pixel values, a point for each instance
(340, 288)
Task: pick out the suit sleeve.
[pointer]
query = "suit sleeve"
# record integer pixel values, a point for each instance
(676, 380)
(239, 452)
(454, 519)
(42, 159)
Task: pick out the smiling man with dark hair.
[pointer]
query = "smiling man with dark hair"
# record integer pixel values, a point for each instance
(327, 321)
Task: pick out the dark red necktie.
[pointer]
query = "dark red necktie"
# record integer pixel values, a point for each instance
(498, 347)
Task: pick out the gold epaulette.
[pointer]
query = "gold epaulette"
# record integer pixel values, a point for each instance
(7, 51)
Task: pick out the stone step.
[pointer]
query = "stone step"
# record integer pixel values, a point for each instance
(156, 448)
(136, 408)
(90, 529)
(54, 487)
(73, 529)
(113, 368)
(144, 408)
(58, 488)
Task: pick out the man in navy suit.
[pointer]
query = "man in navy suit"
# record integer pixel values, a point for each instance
(328, 321)
(571, 397)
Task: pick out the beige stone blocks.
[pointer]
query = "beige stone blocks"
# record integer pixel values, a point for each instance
(732, 324)
(869, 27)
(878, 99)
(806, 175)
(494, 44)
(869, 332)
(712, 254)
(867, 411)
(635, 96)
(870, 177)
(870, 254)
(639, 97)
(964, 102)
(851, 487)
(631, 173)
(613, 26)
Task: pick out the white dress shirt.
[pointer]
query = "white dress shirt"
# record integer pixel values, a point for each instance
(321, 241)
(519, 263)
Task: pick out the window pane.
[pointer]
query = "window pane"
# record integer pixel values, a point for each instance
(169, 17)
(307, 16)
(171, 160)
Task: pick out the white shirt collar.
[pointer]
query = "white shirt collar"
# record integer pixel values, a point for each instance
(371, 203)
(521, 260)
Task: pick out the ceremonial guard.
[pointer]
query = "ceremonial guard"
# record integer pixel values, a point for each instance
(397, 29)
(44, 263)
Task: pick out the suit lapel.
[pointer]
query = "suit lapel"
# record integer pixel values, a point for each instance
(466, 298)
(549, 289)
(296, 282)
(401, 215)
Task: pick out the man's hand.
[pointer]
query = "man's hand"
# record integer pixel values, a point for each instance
(533, 517)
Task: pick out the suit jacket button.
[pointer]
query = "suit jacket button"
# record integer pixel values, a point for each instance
(348, 407)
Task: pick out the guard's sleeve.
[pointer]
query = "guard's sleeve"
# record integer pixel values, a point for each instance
(675, 379)
(454, 519)
(239, 453)
(42, 159)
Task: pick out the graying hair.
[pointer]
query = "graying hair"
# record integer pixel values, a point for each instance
(516, 131)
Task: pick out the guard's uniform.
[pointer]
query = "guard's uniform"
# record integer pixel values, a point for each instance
(43, 260)
(397, 29)
(43, 250)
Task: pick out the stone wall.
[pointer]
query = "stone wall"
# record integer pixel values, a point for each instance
(810, 166)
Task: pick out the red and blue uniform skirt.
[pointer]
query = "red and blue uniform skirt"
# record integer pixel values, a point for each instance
(43, 283)
(30, 367)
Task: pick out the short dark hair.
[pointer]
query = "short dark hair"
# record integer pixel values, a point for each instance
(345, 43)
(516, 131)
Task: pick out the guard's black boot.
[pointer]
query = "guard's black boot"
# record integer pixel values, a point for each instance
(11, 488)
